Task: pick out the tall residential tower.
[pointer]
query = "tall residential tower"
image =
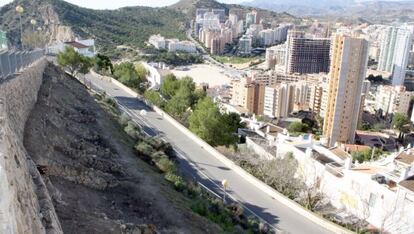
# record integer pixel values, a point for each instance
(346, 77)
(396, 44)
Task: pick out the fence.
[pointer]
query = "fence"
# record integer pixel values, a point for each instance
(12, 62)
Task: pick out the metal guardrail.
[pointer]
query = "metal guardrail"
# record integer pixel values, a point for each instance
(12, 62)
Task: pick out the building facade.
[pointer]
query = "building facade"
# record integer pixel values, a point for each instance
(307, 55)
(347, 73)
(393, 99)
(396, 43)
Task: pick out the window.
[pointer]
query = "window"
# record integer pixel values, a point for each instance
(372, 199)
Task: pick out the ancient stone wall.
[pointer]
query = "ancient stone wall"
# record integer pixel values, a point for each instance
(25, 204)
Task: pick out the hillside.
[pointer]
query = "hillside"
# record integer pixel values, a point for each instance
(58, 20)
(189, 7)
(96, 182)
(61, 20)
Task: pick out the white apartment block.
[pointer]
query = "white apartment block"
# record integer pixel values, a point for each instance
(275, 56)
(157, 41)
(172, 45)
(185, 46)
(393, 99)
(396, 43)
(279, 100)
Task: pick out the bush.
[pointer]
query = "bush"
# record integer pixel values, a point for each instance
(159, 145)
(178, 181)
(144, 149)
(166, 165)
(124, 119)
(133, 130)
(110, 101)
(158, 156)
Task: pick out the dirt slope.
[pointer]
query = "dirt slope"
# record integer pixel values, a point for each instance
(96, 182)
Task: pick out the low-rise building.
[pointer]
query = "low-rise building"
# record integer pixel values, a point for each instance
(83, 47)
(393, 99)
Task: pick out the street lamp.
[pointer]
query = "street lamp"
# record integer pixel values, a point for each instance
(225, 184)
(33, 22)
(20, 10)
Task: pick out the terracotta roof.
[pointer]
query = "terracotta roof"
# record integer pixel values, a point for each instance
(76, 44)
(408, 183)
(405, 158)
(340, 153)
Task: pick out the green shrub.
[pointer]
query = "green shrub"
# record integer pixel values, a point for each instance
(158, 156)
(110, 101)
(178, 181)
(166, 165)
(133, 130)
(144, 148)
(159, 144)
(124, 119)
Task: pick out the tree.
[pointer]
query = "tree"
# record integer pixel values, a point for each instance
(74, 62)
(180, 102)
(205, 121)
(128, 75)
(399, 120)
(297, 127)
(103, 64)
(208, 123)
(154, 98)
(169, 86)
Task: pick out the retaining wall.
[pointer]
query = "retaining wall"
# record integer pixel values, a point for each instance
(25, 204)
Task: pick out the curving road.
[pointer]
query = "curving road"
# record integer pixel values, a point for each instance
(197, 163)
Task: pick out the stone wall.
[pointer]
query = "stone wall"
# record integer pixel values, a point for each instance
(25, 204)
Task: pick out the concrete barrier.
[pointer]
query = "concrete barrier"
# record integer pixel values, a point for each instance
(253, 180)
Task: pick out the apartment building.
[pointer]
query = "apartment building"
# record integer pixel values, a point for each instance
(347, 73)
(279, 100)
(393, 99)
(275, 56)
(396, 43)
(306, 55)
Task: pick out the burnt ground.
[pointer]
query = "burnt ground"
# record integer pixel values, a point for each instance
(97, 183)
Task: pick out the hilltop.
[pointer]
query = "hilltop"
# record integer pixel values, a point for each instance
(58, 20)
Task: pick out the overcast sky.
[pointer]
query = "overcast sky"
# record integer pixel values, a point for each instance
(114, 4)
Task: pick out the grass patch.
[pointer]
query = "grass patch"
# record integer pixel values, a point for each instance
(235, 60)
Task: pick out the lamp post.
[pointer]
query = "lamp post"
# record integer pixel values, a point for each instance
(20, 10)
(225, 184)
(33, 22)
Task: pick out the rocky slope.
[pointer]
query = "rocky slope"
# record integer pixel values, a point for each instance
(96, 183)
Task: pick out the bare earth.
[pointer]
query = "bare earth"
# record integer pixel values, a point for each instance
(97, 183)
(204, 73)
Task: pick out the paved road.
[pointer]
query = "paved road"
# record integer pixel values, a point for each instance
(209, 171)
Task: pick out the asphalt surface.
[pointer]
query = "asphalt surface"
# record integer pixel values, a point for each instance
(197, 163)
